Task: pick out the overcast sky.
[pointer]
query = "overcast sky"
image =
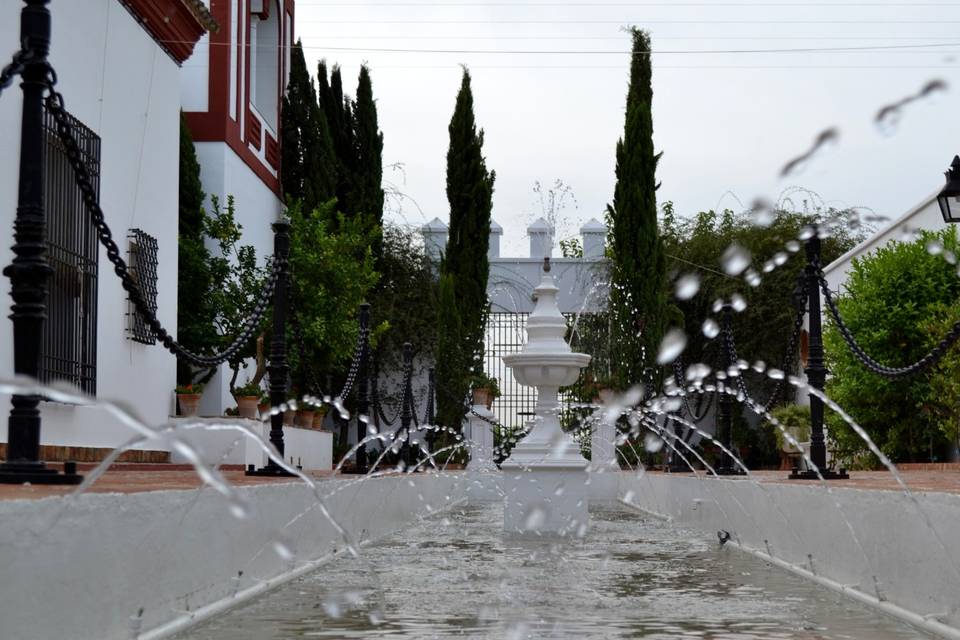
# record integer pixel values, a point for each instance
(726, 120)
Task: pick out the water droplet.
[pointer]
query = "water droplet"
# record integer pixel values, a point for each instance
(752, 278)
(711, 329)
(376, 618)
(738, 302)
(759, 366)
(673, 344)
(775, 374)
(534, 519)
(934, 247)
(332, 608)
(762, 212)
(282, 550)
(652, 443)
(792, 246)
(672, 404)
(798, 164)
(735, 259)
(687, 286)
(780, 258)
(628, 496)
(559, 490)
(698, 371)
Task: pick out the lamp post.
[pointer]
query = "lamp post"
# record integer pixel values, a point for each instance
(949, 196)
(29, 270)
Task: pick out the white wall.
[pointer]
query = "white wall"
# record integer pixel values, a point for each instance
(223, 173)
(926, 215)
(118, 82)
(582, 283)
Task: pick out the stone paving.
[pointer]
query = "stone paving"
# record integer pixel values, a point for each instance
(134, 478)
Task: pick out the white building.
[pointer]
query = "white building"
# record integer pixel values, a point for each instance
(118, 65)
(925, 215)
(231, 90)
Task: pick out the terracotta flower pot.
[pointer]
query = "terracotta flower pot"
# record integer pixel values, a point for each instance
(483, 397)
(305, 418)
(318, 417)
(247, 406)
(264, 408)
(289, 418)
(189, 404)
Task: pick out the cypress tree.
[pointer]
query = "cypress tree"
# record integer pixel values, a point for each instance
(470, 194)
(367, 195)
(195, 312)
(450, 376)
(639, 297)
(307, 163)
(336, 108)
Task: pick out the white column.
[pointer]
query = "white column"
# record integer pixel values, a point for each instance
(603, 446)
(480, 433)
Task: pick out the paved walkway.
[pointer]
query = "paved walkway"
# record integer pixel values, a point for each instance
(917, 480)
(134, 478)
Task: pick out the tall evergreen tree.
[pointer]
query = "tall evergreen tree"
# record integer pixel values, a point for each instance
(450, 374)
(195, 312)
(308, 162)
(470, 194)
(367, 197)
(336, 107)
(639, 296)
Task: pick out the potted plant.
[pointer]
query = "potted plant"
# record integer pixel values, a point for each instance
(485, 390)
(188, 398)
(247, 397)
(305, 416)
(264, 405)
(318, 417)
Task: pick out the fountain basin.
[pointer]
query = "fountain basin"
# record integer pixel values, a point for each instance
(534, 369)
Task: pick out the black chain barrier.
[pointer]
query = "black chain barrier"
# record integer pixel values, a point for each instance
(363, 344)
(12, 70)
(891, 373)
(278, 266)
(800, 295)
(695, 416)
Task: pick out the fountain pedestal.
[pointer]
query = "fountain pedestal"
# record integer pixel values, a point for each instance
(545, 476)
(481, 434)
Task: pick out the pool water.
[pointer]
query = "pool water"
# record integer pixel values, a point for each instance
(458, 576)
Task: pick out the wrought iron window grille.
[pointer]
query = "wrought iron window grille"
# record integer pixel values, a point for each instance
(142, 262)
(68, 349)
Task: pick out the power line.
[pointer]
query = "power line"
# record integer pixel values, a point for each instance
(865, 48)
(623, 21)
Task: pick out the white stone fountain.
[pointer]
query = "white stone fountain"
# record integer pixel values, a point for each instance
(545, 475)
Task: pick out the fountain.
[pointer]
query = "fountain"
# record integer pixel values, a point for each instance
(545, 477)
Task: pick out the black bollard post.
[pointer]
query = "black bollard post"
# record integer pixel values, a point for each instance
(363, 387)
(724, 429)
(430, 417)
(406, 407)
(816, 370)
(278, 368)
(29, 271)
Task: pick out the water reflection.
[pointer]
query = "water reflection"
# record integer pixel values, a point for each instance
(460, 577)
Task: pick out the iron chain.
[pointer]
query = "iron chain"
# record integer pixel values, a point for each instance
(17, 63)
(788, 356)
(55, 105)
(891, 373)
(694, 416)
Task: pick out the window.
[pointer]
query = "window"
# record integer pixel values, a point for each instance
(265, 66)
(142, 262)
(68, 349)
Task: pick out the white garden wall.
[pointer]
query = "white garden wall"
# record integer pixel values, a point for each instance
(118, 82)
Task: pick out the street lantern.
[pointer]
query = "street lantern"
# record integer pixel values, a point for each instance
(949, 196)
